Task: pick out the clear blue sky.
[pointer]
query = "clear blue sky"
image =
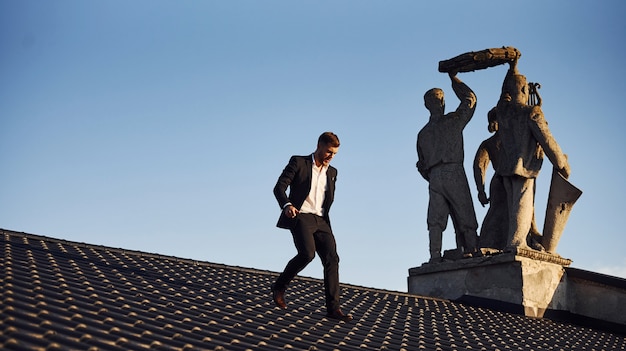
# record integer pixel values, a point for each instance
(162, 126)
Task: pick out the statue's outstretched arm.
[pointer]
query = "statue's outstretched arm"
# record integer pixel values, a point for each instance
(467, 106)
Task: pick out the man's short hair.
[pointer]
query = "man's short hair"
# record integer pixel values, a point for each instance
(431, 99)
(328, 138)
(430, 94)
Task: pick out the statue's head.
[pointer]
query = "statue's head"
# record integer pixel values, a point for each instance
(434, 102)
(515, 88)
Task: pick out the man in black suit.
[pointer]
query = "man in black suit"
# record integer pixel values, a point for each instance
(311, 183)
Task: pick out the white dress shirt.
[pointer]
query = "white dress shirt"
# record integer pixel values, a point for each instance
(315, 199)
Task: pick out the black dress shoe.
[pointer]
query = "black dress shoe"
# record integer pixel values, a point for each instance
(338, 315)
(278, 295)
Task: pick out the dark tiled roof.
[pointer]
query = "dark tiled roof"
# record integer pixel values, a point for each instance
(65, 295)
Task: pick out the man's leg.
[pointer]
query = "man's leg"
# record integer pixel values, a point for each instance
(305, 244)
(520, 196)
(437, 219)
(462, 210)
(327, 251)
(494, 230)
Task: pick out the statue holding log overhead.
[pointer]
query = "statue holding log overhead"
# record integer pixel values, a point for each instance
(523, 138)
(440, 162)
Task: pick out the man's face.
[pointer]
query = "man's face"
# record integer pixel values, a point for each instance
(522, 88)
(517, 88)
(324, 153)
(434, 101)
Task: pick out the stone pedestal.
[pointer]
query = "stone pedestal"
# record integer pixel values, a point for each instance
(525, 278)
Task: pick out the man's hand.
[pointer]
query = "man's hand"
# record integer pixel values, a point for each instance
(482, 197)
(422, 172)
(291, 212)
(565, 171)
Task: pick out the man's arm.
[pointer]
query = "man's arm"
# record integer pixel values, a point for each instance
(541, 132)
(420, 163)
(422, 171)
(284, 180)
(481, 162)
(466, 108)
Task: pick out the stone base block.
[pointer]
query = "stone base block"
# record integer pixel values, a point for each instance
(529, 279)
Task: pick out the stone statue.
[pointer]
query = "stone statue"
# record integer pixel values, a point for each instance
(516, 151)
(494, 229)
(440, 162)
(495, 224)
(525, 138)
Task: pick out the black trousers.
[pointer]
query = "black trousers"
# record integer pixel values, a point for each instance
(310, 235)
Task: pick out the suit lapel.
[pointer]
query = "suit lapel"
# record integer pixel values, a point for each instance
(309, 166)
(309, 172)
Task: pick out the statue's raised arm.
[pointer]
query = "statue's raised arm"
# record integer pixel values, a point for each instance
(467, 106)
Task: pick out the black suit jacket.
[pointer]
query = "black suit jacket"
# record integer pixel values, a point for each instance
(297, 177)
